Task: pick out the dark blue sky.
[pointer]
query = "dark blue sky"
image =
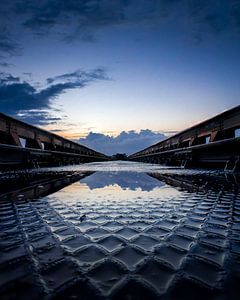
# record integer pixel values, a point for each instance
(107, 66)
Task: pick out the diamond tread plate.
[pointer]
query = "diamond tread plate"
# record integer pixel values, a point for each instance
(138, 248)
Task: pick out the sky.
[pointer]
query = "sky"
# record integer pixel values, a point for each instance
(82, 68)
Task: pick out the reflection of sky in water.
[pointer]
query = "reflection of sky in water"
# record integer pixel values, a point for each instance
(116, 186)
(125, 180)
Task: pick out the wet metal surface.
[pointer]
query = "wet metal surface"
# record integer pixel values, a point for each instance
(131, 231)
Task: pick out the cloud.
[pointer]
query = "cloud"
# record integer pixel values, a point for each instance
(126, 142)
(8, 45)
(79, 77)
(38, 117)
(5, 64)
(23, 99)
(125, 180)
(91, 15)
(73, 19)
(56, 130)
(210, 18)
(47, 13)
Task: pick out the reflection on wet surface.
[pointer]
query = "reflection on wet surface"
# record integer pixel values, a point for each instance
(156, 233)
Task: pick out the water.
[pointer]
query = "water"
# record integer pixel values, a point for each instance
(120, 230)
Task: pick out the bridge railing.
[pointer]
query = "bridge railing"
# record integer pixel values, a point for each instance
(21, 138)
(223, 131)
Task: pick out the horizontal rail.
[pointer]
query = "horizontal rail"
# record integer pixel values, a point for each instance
(187, 150)
(24, 144)
(221, 127)
(214, 142)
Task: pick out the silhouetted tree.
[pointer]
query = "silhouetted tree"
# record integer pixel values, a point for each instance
(120, 156)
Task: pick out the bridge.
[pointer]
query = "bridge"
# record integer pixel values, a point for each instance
(211, 143)
(24, 145)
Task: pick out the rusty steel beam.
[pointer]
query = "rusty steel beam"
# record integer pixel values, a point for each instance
(24, 145)
(211, 143)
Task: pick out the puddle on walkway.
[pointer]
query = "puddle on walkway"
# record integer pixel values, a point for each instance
(121, 230)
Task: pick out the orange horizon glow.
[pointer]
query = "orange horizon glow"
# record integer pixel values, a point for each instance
(75, 132)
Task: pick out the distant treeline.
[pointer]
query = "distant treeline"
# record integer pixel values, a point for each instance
(120, 156)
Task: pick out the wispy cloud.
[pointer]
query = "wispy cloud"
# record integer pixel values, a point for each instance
(35, 105)
(8, 46)
(74, 19)
(125, 142)
(79, 77)
(5, 64)
(84, 17)
(210, 18)
(38, 117)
